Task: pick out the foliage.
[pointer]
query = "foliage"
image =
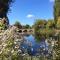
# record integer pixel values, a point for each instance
(4, 7)
(57, 48)
(47, 30)
(27, 26)
(44, 29)
(56, 10)
(39, 24)
(50, 23)
(58, 23)
(45, 33)
(17, 24)
(9, 51)
(3, 26)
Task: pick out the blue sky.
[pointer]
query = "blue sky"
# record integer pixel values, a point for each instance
(26, 11)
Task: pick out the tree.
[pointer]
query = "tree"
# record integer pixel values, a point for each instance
(27, 26)
(4, 8)
(44, 29)
(40, 22)
(58, 23)
(17, 24)
(50, 23)
(56, 10)
(38, 26)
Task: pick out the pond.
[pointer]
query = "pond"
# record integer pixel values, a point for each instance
(32, 47)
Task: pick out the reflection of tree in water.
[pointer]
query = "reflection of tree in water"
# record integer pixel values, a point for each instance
(27, 35)
(41, 52)
(36, 51)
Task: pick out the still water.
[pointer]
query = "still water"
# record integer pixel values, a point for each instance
(32, 47)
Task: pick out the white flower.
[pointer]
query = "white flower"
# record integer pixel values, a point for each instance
(12, 51)
(15, 42)
(0, 52)
(23, 54)
(19, 50)
(16, 46)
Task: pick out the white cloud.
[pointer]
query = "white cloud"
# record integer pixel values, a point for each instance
(30, 16)
(52, 0)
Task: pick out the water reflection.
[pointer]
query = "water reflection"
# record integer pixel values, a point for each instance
(32, 47)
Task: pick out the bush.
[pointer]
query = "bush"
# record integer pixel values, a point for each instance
(3, 26)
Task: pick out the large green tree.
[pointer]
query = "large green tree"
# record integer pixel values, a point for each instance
(4, 8)
(27, 26)
(39, 26)
(50, 23)
(18, 25)
(56, 10)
